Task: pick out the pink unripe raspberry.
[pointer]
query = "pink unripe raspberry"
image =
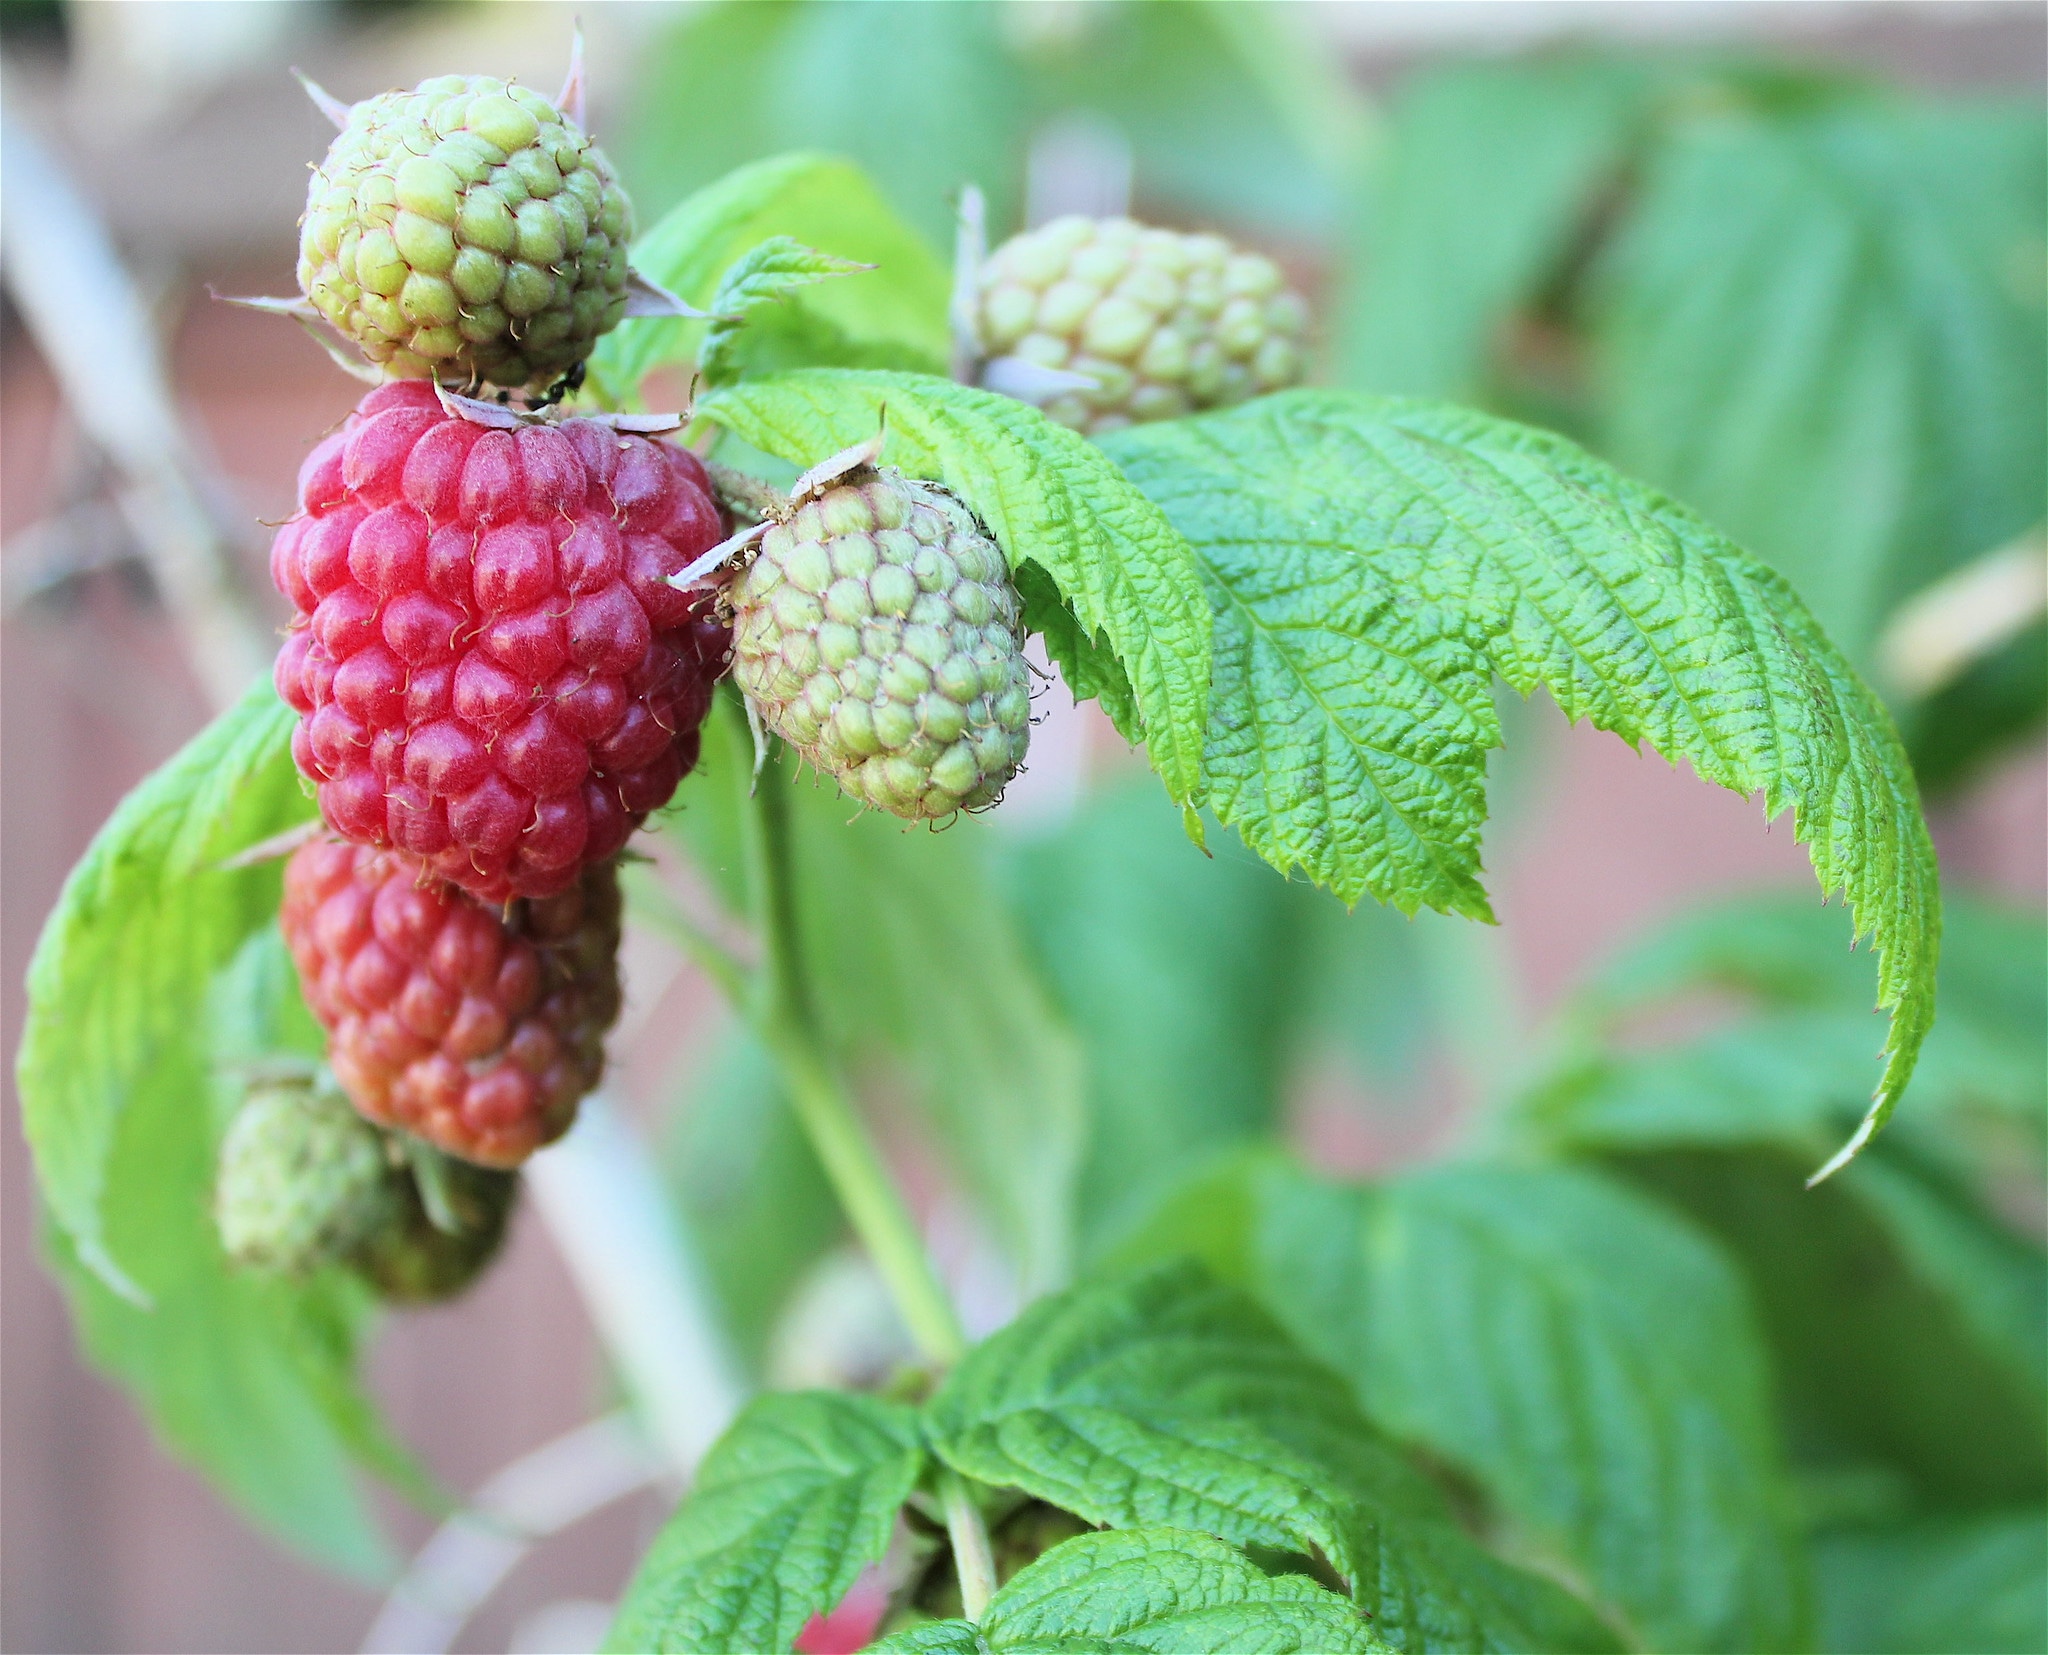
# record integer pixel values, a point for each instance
(491, 671)
(476, 1029)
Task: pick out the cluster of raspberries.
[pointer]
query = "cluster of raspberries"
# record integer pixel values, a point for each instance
(496, 683)
(496, 676)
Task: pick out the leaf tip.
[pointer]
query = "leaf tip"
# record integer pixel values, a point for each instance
(92, 1253)
(1867, 1130)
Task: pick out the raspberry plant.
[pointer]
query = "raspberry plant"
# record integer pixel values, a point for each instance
(508, 622)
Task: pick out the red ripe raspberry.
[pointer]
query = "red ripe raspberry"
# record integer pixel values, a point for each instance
(477, 1032)
(491, 672)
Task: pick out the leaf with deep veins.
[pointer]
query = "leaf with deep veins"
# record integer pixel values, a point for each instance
(788, 1507)
(1154, 1590)
(1162, 1397)
(1373, 562)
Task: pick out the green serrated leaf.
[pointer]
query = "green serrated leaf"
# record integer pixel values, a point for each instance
(897, 314)
(1089, 668)
(1050, 498)
(151, 971)
(1164, 1397)
(1373, 562)
(773, 273)
(789, 1506)
(1157, 1589)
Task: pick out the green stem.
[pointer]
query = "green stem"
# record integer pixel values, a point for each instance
(973, 1559)
(786, 1020)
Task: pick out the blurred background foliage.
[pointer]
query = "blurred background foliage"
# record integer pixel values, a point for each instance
(1601, 1308)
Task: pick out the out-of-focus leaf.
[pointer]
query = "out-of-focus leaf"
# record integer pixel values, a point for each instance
(1180, 975)
(252, 1379)
(1930, 1588)
(1229, 110)
(916, 964)
(893, 314)
(1374, 562)
(790, 1504)
(1878, 1293)
(1486, 174)
(922, 96)
(1591, 1363)
(1910, 1324)
(1147, 1590)
(1597, 1366)
(1161, 1396)
(1825, 331)
(1953, 733)
(1790, 1074)
(751, 1189)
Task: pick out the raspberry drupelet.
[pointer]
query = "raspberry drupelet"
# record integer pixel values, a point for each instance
(475, 1030)
(491, 671)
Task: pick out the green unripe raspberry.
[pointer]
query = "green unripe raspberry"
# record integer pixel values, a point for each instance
(1165, 323)
(302, 1180)
(466, 229)
(878, 633)
(408, 1260)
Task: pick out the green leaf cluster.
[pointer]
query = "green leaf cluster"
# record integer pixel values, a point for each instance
(160, 967)
(1587, 1394)
(1906, 1306)
(1159, 1404)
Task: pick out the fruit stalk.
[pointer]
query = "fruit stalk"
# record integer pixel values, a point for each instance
(787, 1022)
(974, 1560)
